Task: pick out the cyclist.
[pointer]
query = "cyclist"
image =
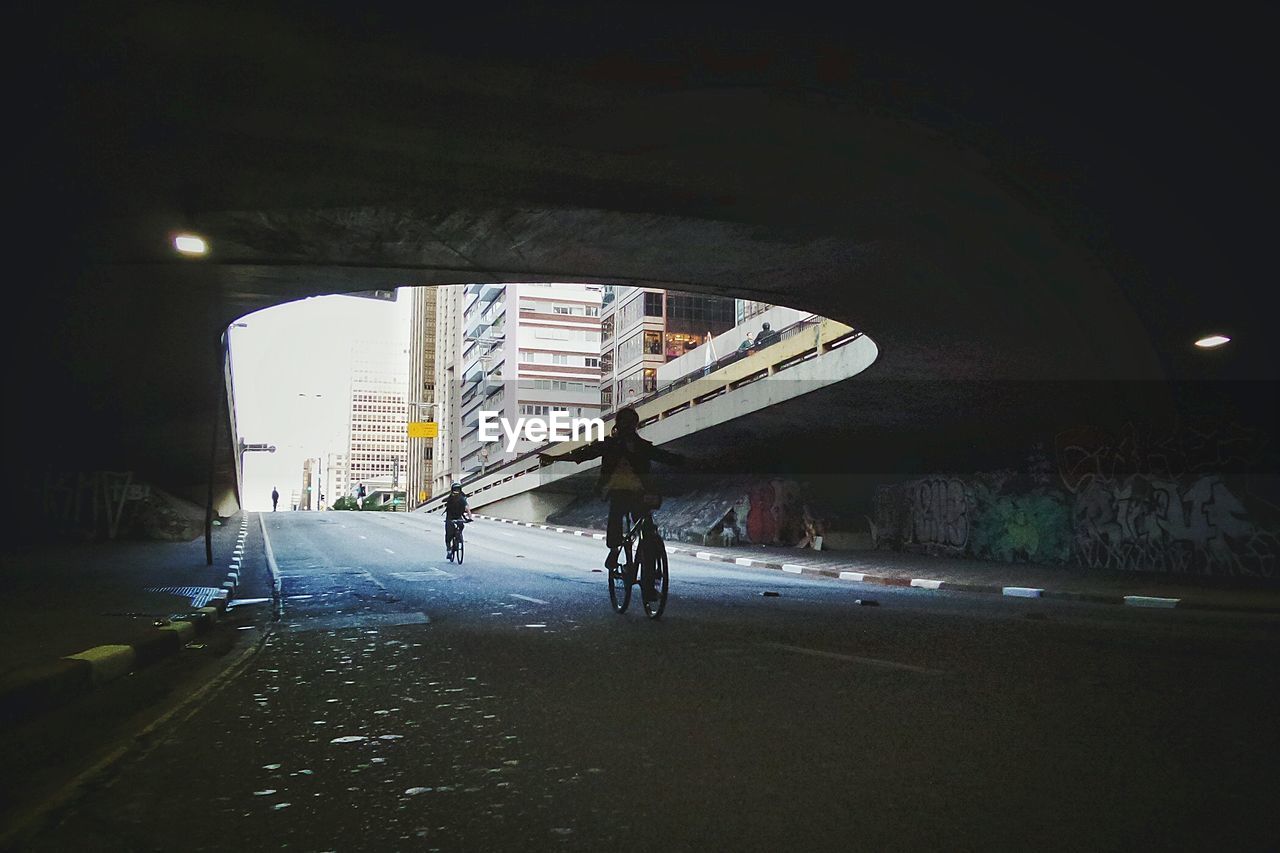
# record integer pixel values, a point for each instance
(456, 512)
(624, 473)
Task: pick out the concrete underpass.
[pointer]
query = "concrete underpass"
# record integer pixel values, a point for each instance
(1045, 613)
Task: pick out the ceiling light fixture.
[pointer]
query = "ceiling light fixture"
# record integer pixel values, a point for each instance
(190, 244)
(1212, 341)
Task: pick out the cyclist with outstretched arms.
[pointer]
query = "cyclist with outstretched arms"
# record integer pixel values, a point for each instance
(624, 473)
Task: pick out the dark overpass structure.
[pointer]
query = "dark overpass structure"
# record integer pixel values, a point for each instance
(1034, 214)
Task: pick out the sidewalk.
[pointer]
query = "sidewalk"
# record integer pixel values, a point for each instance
(78, 615)
(1023, 580)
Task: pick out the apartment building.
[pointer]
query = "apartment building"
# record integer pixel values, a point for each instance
(642, 328)
(514, 351)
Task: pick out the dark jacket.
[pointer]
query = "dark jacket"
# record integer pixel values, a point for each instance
(455, 506)
(614, 449)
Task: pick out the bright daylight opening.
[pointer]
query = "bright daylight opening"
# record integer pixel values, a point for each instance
(1212, 341)
(383, 399)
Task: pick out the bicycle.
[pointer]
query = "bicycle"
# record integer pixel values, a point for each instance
(457, 549)
(645, 551)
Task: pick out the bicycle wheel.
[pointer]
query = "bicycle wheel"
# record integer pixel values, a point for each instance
(655, 556)
(620, 578)
(458, 546)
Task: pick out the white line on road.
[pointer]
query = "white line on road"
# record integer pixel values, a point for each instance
(792, 568)
(852, 576)
(1022, 591)
(1150, 601)
(564, 548)
(925, 583)
(364, 537)
(886, 664)
(528, 598)
(505, 533)
(388, 550)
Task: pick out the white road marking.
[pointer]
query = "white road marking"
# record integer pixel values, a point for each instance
(505, 533)
(1150, 601)
(364, 537)
(1022, 591)
(564, 548)
(885, 664)
(925, 583)
(792, 568)
(852, 576)
(388, 550)
(528, 598)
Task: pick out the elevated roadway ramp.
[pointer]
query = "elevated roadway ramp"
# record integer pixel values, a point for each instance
(763, 398)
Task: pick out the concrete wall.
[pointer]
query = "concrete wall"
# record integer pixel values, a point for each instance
(529, 506)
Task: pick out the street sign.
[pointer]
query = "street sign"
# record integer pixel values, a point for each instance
(423, 429)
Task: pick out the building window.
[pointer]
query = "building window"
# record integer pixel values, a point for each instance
(606, 329)
(653, 343)
(630, 349)
(653, 304)
(650, 380)
(559, 358)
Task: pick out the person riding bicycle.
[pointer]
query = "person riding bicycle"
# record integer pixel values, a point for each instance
(456, 512)
(624, 473)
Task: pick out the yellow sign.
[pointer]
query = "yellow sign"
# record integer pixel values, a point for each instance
(423, 429)
(422, 496)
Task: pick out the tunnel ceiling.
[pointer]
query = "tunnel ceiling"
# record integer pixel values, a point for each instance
(1015, 194)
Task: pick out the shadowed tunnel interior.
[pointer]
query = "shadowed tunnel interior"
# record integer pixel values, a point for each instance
(1032, 213)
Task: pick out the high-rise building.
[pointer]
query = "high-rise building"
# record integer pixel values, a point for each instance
(379, 414)
(446, 461)
(642, 328)
(422, 392)
(514, 351)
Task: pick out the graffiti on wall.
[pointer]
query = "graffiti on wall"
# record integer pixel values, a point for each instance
(1160, 502)
(1134, 502)
(996, 515)
(940, 513)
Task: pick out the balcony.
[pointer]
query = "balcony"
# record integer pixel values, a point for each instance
(477, 323)
(489, 292)
(492, 384)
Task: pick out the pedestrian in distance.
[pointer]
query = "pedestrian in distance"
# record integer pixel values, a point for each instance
(275, 498)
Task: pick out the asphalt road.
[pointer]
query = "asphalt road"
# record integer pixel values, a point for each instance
(406, 703)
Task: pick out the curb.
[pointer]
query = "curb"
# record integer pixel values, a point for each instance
(41, 687)
(1146, 601)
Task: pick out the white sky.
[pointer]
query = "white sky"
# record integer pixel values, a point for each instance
(300, 348)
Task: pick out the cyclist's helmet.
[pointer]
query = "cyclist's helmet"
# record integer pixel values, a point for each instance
(456, 487)
(627, 418)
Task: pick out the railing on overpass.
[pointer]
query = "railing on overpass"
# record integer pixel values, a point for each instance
(650, 406)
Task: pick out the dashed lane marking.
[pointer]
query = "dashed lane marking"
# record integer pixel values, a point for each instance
(877, 662)
(529, 598)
